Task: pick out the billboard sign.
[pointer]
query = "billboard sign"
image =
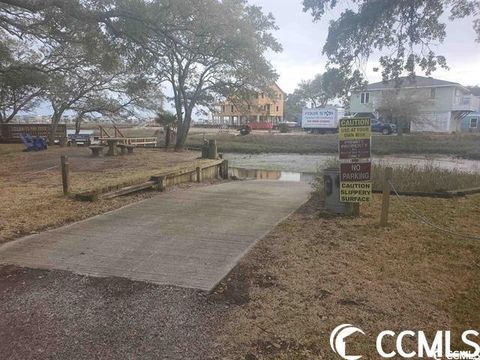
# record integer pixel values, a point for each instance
(319, 118)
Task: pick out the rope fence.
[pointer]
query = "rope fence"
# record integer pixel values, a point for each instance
(429, 222)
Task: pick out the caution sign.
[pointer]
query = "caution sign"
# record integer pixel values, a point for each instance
(355, 191)
(354, 138)
(355, 129)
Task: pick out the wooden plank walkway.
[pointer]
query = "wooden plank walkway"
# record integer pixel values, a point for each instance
(190, 238)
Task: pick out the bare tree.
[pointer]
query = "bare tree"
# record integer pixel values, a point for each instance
(402, 109)
(21, 85)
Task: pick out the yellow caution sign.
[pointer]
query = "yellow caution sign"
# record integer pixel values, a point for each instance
(355, 191)
(354, 129)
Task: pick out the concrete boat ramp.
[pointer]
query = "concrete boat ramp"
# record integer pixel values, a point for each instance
(190, 238)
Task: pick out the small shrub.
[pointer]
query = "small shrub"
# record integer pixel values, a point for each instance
(284, 128)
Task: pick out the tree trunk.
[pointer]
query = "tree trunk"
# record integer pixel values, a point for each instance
(78, 125)
(399, 124)
(56, 117)
(180, 143)
(182, 131)
(168, 135)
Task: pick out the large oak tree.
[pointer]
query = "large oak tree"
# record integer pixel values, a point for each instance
(217, 49)
(404, 31)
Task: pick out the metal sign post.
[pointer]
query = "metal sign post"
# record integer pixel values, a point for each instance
(354, 147)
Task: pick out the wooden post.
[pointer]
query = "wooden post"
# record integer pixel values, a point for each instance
(386, 196)
(205, 151)
(356, 209)
(225, 169)
(65, 174)
(168, 135)
(161, 183)
(212, 149)
(199, 174)
(352, 209)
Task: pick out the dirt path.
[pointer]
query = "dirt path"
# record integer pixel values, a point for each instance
(59, 315)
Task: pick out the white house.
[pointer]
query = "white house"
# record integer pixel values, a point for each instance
(445, 103)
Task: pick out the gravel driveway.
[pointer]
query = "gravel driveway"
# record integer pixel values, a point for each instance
(59, 315)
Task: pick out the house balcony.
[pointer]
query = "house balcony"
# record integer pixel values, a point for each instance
(466, 103)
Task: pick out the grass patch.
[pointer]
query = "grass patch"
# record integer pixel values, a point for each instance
(325, 272)
(465, 146)
(31, 187)
(6, 149)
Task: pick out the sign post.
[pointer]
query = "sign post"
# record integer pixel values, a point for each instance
(354, 147)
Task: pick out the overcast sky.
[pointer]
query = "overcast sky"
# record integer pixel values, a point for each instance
(302, 42)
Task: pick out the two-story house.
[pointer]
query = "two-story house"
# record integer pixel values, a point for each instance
(260, 107)
(444, 104)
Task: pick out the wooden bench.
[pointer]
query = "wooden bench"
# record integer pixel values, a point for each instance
(126, 147)
(96, 150)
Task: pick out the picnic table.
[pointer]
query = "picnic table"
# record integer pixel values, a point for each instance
(126, 147)
(112, 146)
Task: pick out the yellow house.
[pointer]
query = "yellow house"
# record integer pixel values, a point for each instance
(259, 108)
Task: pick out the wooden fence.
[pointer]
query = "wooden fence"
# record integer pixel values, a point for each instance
(10, 133)
(137, 141)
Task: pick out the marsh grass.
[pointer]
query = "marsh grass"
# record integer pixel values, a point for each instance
(411, 178)
(425, 179)
(465, 145)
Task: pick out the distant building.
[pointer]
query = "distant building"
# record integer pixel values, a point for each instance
(259, 108)
(446, 103)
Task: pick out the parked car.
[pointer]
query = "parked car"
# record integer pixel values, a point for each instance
(79, 139)
(383, 127)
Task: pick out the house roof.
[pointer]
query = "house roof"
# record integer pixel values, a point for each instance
(416, 82)
(279, 88)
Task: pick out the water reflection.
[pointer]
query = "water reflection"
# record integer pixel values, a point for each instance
(258, 174)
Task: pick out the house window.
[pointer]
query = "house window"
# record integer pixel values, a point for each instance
(365, 98)
(277, 108)
(263, 95)
(248, 107)
(432, 93)
(231, 108)
(473, 123)
(223, 108)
